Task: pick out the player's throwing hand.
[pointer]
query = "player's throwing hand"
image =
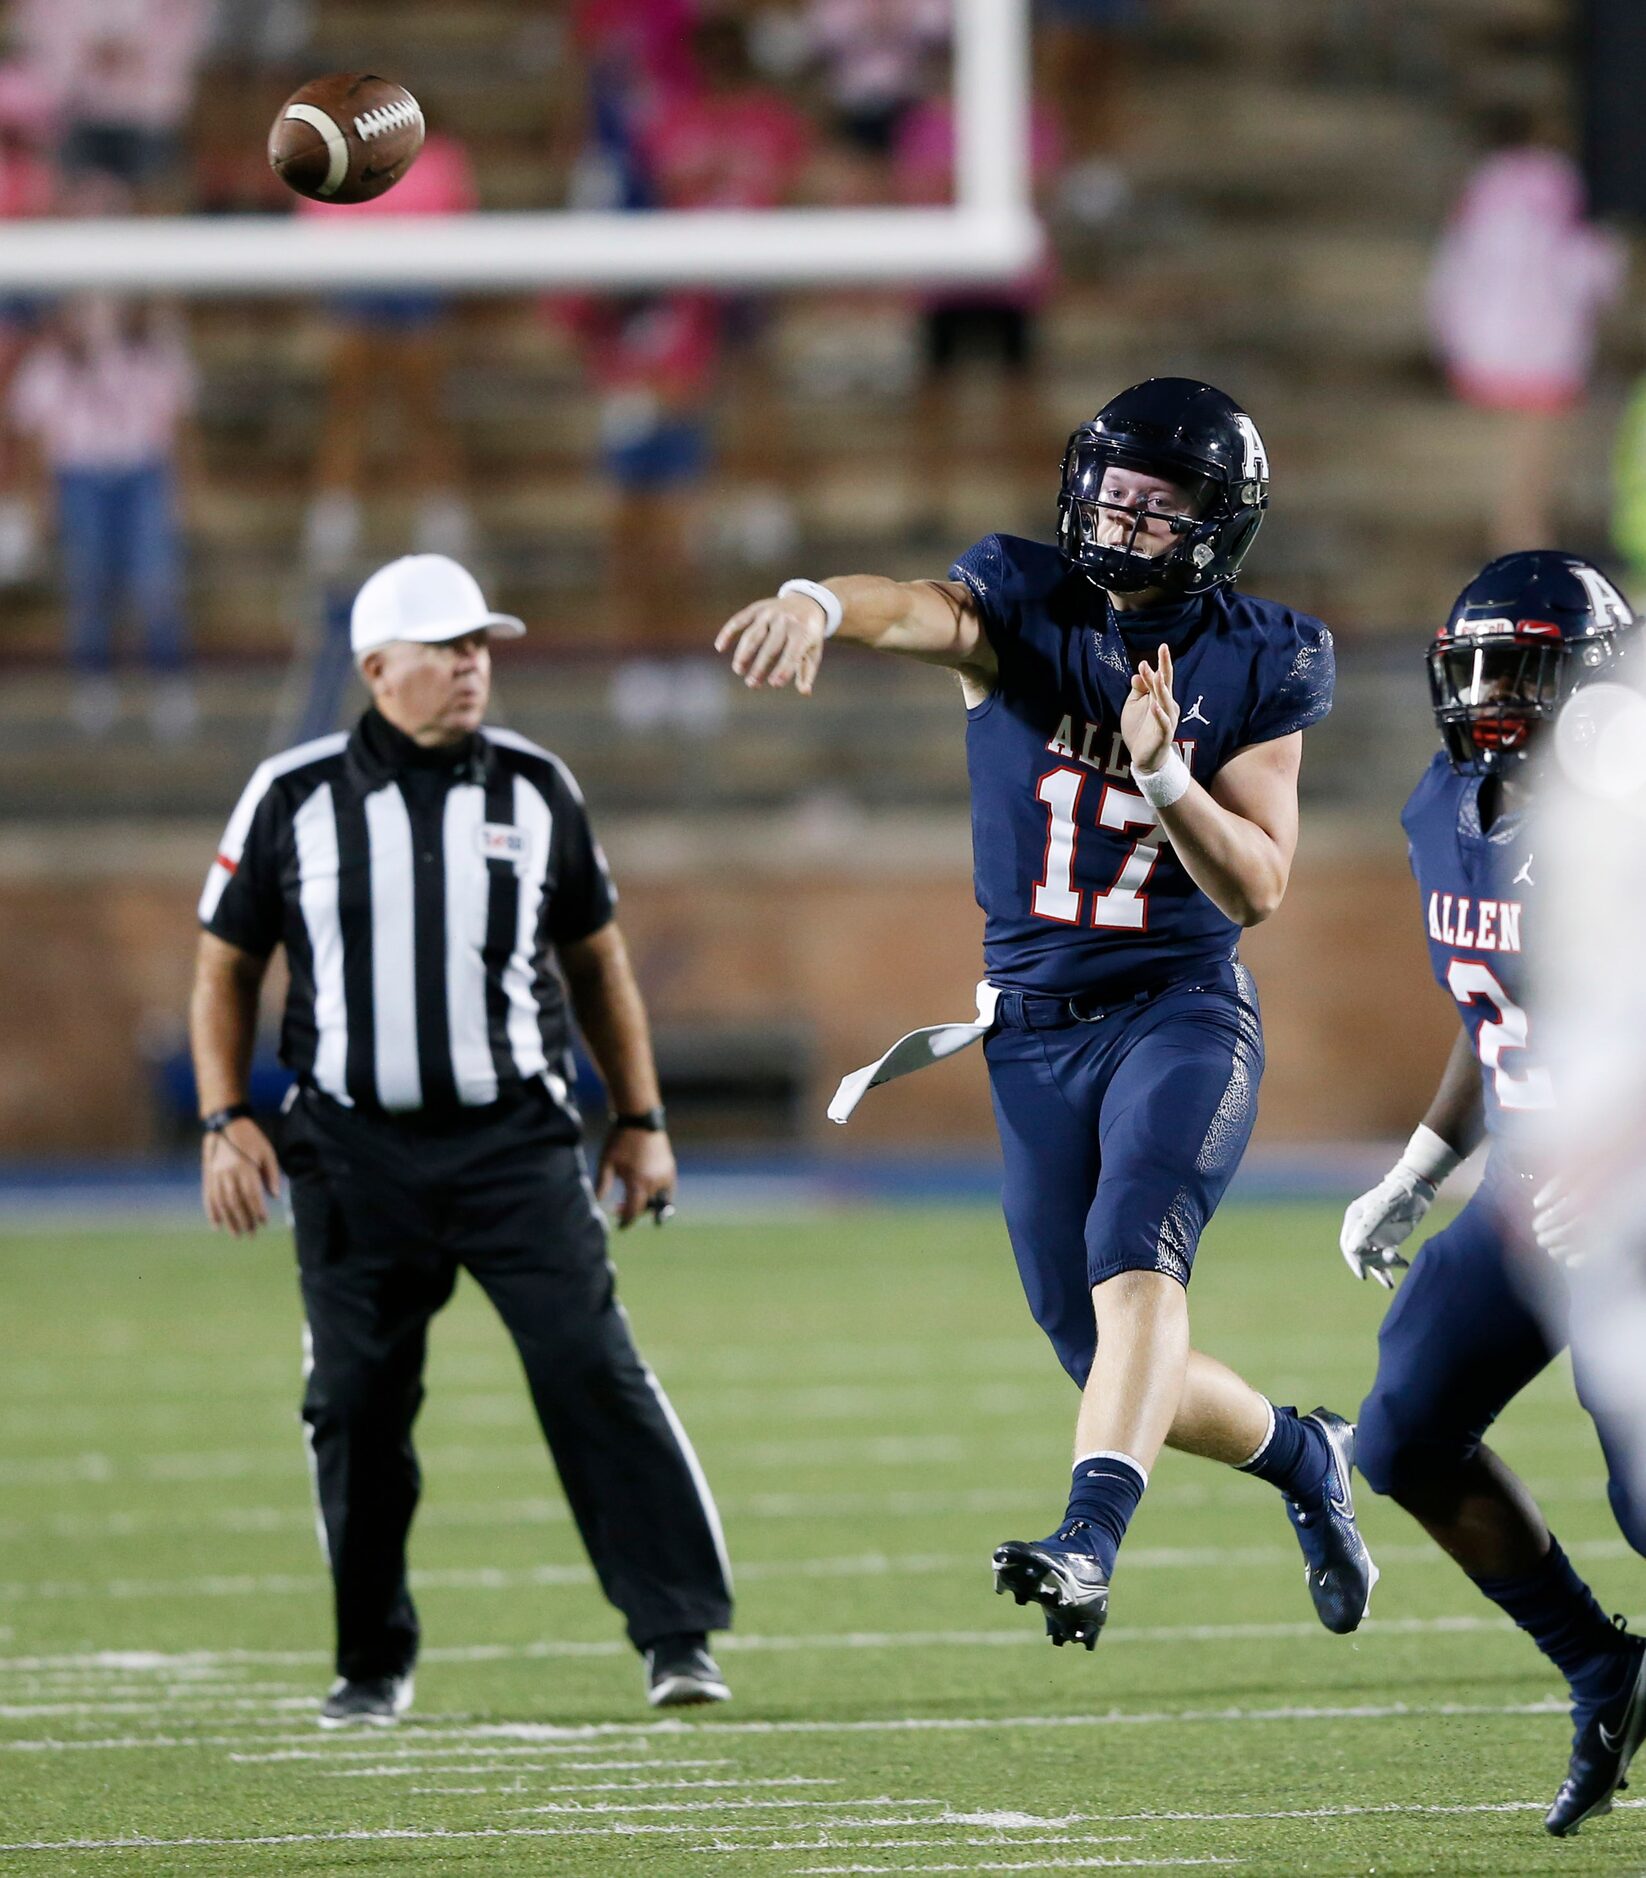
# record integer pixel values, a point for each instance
(776, 642)
(1148, 720)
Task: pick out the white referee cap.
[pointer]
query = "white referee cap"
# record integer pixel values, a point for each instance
(426, 598)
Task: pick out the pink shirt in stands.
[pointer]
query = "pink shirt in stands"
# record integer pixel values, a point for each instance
(28, 183)
(668, 345)
(741, 150)
(1519, 281)
(875, 49)
(440, 182)
(644, 44)
(115, 407)
(116, 61)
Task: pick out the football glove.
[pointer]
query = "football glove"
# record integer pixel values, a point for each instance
(1384, 1217)
(1558, 1224)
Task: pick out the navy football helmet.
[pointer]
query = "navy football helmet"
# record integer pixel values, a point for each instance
(1191, 434)
(1525, 633)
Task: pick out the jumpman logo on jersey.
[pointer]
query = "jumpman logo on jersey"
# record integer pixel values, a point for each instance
(1524, 877)
(1194, 714)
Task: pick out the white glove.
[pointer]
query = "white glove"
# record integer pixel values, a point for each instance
(1558, 1224)
(1384, 1217)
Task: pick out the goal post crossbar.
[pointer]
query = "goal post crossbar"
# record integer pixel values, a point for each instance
(990, 234)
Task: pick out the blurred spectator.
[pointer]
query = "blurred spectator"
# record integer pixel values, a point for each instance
(1518, 285)
(28, 177)
(28, 186)
(122, 72)
(728, 141)
(1083, 63)
(732, 141)
(101, 403)
(392, 343)
(871, 55)
(652, 359)
(633, 57)
(259, 52)
(261, 35)
(960, 327)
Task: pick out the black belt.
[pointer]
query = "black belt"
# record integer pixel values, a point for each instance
(513, 1098)
(1035, 1010)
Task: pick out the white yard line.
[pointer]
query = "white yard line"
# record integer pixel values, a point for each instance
(734, 1643)
(1045, 1864)
(475, 1372)
(919, 1503)
(557, 1808)
(628, 1829)
(906, 1844)
(467, 1578)
(495, 1769)
(210, 1710)
(495, 1579)
(363, 1835)
(605, 1786)
(409, 1751)
(705, 1733)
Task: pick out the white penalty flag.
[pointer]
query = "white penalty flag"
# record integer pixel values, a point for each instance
(918, 1050)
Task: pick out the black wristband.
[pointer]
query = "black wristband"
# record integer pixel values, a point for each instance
(219, 1119)
(653, 1121)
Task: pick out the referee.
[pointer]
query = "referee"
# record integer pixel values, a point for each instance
(420, 871)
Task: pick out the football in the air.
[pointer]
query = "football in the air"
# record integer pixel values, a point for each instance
(346, 138)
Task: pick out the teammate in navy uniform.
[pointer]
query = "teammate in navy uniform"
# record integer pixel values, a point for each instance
(1461, 1339)
(1134, 730)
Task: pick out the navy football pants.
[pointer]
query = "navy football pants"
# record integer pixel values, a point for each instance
(1121, 1135)
(1457, 1345)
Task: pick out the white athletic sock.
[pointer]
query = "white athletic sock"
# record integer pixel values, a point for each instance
(1113, 1454)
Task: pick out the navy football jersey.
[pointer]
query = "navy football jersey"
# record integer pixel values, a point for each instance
(1079, 888)
(1474, 885)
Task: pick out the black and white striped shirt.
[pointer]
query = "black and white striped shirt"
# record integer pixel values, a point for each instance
(419, 895)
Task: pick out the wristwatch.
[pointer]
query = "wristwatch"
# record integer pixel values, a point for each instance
(654, 1121)
(219, 1119)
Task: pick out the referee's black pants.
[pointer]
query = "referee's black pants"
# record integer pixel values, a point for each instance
(386, 1210)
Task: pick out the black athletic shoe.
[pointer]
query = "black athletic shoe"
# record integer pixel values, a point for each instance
(680, 1673)
(1335, 1560)
(1063, 1576)
(1602, 1748)
(373, 1702)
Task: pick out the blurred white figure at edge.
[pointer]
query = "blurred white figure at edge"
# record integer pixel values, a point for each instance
(1589, 1004)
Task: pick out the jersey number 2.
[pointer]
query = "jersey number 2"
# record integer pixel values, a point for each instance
(1506, 1029)
(1124, 906)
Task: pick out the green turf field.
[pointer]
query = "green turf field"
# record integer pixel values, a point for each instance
(875, 1412)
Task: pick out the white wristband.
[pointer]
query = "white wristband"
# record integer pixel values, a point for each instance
(833, 611)
(1162, 787)
(1428, 1156)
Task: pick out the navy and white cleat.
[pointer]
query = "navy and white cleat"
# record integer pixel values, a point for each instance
(1606, 1741)
(680, 1673)
(1063, 1577)
(372, 1702)
(1336, 1563)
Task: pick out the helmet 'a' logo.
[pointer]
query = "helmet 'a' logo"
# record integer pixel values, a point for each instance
(1603, 596)
(1256, 466)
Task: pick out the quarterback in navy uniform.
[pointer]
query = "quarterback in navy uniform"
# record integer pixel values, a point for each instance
(1134, 730)
(1461, 1339)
